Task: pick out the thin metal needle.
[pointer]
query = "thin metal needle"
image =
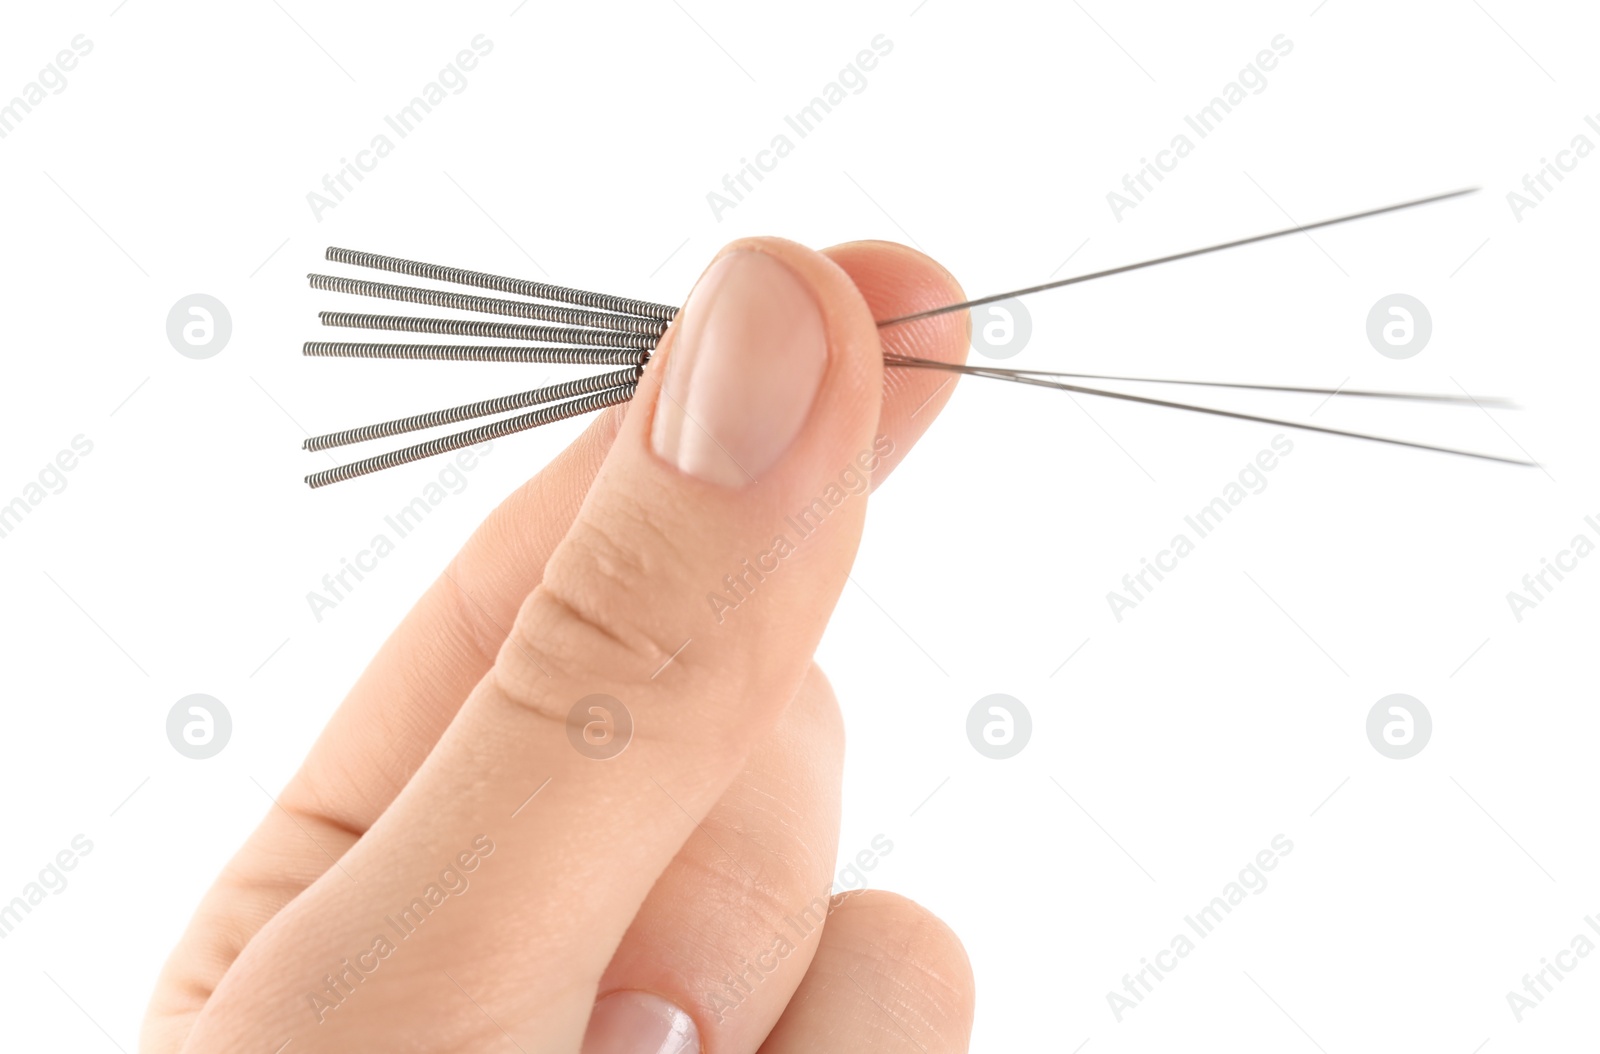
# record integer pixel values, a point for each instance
(665, 312)
(995, 298)
(979, 371)
(999, 373)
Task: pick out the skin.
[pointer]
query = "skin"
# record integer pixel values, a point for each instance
(650, 871)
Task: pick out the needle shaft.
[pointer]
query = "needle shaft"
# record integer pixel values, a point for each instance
(1359, 393)
(1075, 279)
(1043, 382)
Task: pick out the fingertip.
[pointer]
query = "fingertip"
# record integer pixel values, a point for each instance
(897, 280)
(896, 927)
(881, 955)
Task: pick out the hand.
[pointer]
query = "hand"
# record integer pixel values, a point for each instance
(451, 868)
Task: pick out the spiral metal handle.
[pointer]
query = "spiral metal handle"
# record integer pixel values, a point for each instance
(485, 408)
(518, 286)
(482, 434)
(498, 330)
(476, 353)
(487, 305)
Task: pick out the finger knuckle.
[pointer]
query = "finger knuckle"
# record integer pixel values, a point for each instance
(586, 622)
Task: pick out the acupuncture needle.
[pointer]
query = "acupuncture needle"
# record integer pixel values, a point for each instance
(609, 329)
(666, 312)
(1236, 415)
(995, 298)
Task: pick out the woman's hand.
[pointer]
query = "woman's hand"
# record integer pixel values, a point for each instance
(459, 866)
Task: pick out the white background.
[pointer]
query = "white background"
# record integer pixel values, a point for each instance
(1228, 708)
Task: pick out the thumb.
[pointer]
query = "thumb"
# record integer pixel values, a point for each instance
(674, 622)
(727, 515)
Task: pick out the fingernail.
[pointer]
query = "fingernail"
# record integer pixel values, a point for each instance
(639, 1023)
(743, 372)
